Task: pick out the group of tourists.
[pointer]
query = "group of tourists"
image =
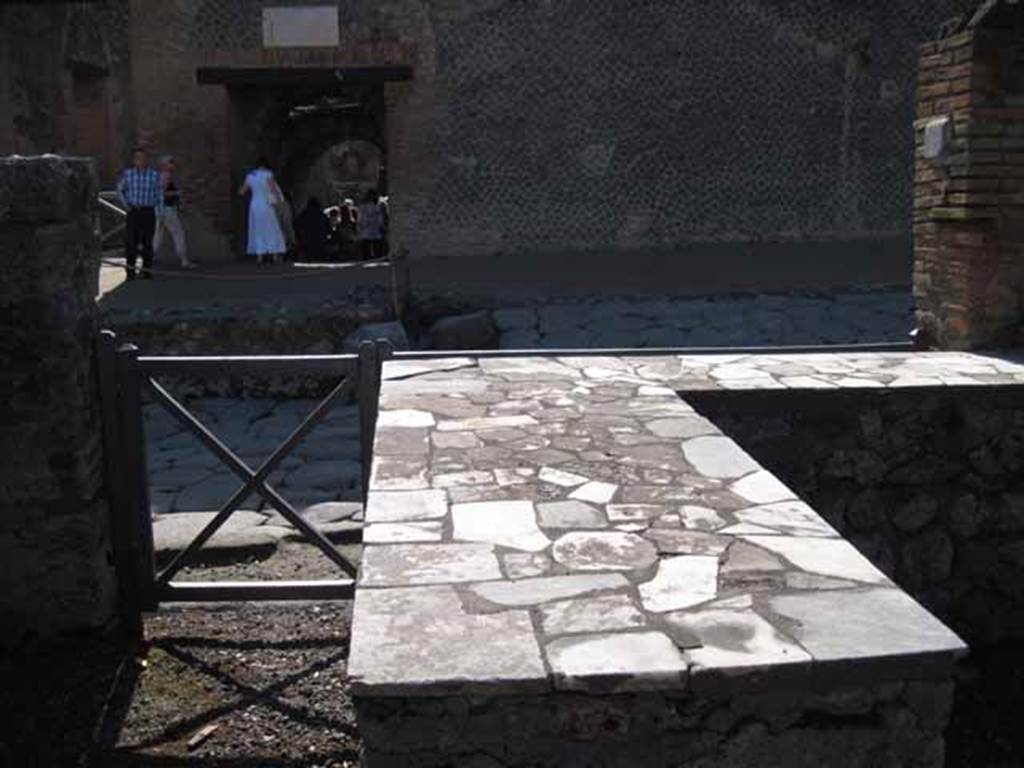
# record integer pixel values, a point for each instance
(152, 198)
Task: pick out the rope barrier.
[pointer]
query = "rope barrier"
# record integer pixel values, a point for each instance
(305, 271)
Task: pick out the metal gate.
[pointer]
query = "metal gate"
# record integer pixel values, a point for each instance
(126, 378)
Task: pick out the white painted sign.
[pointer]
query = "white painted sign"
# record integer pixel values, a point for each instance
(301, 25)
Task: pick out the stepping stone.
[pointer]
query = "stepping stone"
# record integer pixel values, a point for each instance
(604, 551)
(529, 592)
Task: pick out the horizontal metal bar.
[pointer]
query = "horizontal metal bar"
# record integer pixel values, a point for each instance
(258, 365)
(217, 591)
(111, 207)
(893, 346)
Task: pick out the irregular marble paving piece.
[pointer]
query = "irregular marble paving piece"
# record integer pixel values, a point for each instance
(790, 517)
(719, 457)
(522, 565)
(405, 418)
(402, 506)
(569, 514)
(674, 540)
(595, 491)
(681, 582)
(746, 557)
(384, 659)
(645, 660)
(828, 557)
(603, 613)
(484, 422)
(543, 589)
(628, 513)
(507, 477)
(603, 551)
(389, 533)
(558, 477)
(762, 488)
(455, 440)
(469, 477)
(682, 427)
(699, 518)
(737, 640)
(746, 529)
(508, 523)
(396, 565)
(852, 624)
(398, 473)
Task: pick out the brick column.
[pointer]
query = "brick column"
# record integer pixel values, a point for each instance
(56, 571)
(969, 200)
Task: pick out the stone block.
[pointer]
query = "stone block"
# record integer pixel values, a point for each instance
(45, 189)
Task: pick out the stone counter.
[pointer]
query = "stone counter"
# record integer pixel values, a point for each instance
(550, 541)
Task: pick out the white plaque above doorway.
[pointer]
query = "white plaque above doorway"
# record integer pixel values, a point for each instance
(303, 25)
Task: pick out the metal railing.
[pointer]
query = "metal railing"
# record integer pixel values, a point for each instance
(124, 377)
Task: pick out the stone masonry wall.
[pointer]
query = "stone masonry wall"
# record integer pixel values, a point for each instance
(928, 484)
(546, 127)
(56, 570)
(968, 202)
(892, 724)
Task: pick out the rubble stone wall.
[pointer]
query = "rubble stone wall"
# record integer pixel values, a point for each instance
(57, 573)
(928, 484)
(897, 724)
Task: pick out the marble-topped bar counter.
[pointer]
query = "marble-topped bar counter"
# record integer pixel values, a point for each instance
(541, 528)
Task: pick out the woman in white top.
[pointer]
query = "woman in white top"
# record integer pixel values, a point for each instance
(265, 235)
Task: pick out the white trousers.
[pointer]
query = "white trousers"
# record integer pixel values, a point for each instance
(171, 221)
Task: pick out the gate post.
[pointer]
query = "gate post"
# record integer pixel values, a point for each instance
(371, 361)
(137, 517)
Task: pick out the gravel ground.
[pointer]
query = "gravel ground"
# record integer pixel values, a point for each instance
(264, 685)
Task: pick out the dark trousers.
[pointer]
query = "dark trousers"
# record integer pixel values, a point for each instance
(138, 235)
(373, 250)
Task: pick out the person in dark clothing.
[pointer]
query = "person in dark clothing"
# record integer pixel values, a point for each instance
(142, 194)
(313, 231)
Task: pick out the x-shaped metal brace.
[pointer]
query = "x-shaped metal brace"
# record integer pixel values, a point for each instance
(252, 480)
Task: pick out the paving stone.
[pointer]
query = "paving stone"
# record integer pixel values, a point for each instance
(387, 533)
(399, 473)
(718, 457)
(394, 441)
(522, 565)
(591, 614)
(681, 582)
(737, 641)
(596, 492)
(455, 440)
(672, 540)
(323, 513)
(507, 523)
(603, 551)
(854, 624)
(625, 513)
(762, 488)
(794, 518)
(405, 418)
(828, 557)
(485, 422)
(626, 661)
(172, 533)
(700, 518)
(570, 514)
(746, 557)
(558, 477)
(402, 506)
(409, 564)
(385, 659)
(535, 591)
(471, 477)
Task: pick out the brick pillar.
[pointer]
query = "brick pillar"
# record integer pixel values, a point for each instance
(969, 200)
(56, 572)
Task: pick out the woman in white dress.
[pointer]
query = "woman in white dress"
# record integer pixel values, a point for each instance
(265, 236)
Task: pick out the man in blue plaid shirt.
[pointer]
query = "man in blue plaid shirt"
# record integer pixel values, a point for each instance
(142, 194)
